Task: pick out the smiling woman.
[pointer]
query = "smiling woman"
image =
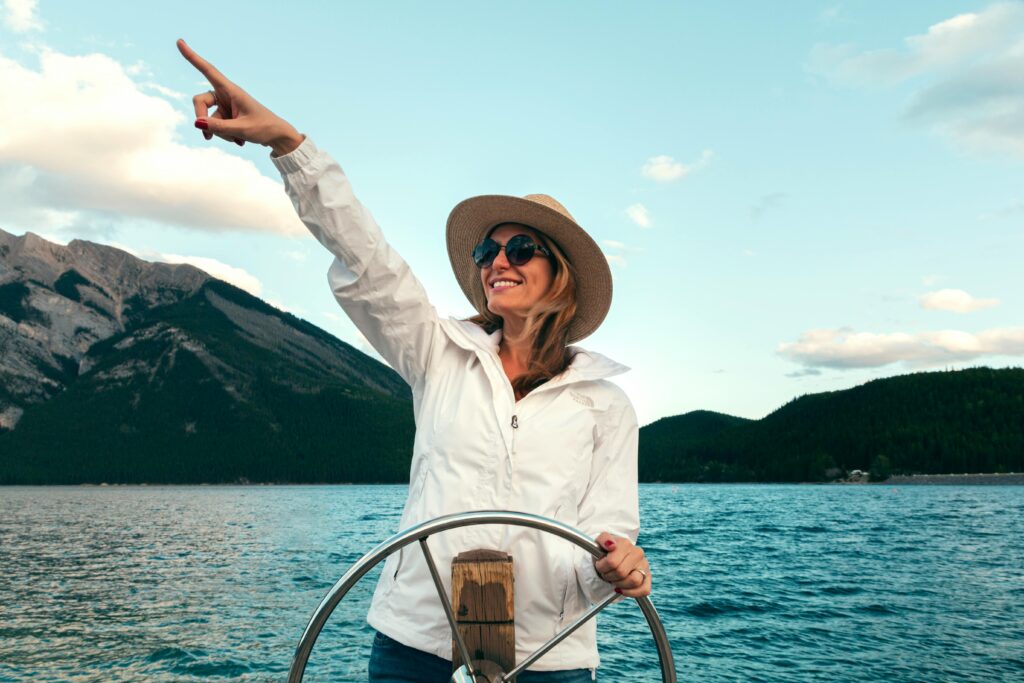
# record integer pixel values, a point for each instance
(508, 414)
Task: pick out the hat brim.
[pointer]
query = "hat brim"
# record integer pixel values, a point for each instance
(473, 218)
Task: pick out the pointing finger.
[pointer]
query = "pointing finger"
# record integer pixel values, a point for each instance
(216, 78)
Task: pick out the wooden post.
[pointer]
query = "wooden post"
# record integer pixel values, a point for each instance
(483, 606)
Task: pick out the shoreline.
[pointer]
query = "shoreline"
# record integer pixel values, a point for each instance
(990, 479)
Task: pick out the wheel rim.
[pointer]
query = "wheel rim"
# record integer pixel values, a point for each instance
(421, 532)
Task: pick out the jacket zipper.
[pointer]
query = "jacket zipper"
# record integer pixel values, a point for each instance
(395, 577)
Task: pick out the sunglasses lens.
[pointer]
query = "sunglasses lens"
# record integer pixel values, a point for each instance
(519, 250)
(485, 252)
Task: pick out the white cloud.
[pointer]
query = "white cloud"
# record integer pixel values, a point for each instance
(238, 277)
(638, 214)
(97, 144)
(845, 349)
(931, 280)
(613, 244)
(166, 92)
(967, 74)
(296, 255)
(20, 16)
(665, 169)
(616, 259)
(955, 300)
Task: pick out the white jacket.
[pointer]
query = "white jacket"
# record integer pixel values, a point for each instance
(568, 450)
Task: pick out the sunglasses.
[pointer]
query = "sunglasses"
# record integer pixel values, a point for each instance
(518, 250)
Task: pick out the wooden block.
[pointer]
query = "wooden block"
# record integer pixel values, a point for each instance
(482, 599)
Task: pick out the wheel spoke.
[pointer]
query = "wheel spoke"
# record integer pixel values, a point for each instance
(559, 637)
(443, 594)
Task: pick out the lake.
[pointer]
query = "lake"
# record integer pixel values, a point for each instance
(753, 582)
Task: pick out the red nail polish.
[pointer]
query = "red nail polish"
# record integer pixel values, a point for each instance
(609, 544)
(239, 142)
(208, 135)
(201, 124)
(619, 591)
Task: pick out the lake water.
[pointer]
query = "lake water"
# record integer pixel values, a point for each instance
(768, 583)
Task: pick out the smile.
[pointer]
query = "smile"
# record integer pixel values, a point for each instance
(504, 284)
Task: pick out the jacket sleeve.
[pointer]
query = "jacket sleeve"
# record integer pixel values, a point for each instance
(371, 282)
(611, 501)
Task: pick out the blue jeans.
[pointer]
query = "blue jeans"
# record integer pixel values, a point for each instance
(392, 662)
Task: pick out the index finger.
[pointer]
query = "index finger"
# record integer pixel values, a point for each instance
(209, 70)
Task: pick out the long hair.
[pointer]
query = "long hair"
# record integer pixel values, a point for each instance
(547, 325)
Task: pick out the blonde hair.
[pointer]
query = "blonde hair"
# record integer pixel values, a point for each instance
(546, 325)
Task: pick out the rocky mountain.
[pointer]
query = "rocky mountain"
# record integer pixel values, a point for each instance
(120, 370)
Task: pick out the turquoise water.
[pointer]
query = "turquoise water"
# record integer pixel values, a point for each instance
(769, 583)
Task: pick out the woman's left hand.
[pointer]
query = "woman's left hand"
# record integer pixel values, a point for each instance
(625, 566)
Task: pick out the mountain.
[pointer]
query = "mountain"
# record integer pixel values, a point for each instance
(935, 422)
(118, 370)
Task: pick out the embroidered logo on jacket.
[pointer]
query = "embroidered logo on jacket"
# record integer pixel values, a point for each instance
(581, 399)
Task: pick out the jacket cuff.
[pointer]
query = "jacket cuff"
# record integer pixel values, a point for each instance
(594, 587)
(297, 159)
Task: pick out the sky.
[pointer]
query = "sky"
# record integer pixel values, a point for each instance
(794, 197)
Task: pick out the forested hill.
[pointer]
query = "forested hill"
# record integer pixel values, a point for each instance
(122, 371)
(936, 422)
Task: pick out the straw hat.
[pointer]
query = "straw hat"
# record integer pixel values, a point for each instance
(471, 220)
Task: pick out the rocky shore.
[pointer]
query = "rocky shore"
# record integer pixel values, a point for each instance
(1012, 478)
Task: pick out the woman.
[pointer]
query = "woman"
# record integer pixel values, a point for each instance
(508, 416)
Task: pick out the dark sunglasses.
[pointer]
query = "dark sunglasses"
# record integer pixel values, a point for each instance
(518, 250)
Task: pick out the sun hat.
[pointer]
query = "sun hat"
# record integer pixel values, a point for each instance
(473, 218)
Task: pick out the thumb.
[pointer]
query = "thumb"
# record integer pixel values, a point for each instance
(606, 541)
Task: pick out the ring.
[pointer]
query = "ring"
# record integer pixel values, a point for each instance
(642, 572)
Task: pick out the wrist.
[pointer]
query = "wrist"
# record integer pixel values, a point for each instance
(286, 142)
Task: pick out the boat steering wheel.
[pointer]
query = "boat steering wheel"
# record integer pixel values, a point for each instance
(474, 671)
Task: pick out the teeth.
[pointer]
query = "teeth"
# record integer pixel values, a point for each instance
(503, 283)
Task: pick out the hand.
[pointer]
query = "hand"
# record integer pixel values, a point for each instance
(237, 117)
(625, 566)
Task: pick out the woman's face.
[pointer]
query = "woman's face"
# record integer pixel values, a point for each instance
(513, 290)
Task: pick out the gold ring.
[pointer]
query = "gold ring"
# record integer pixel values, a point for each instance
(642, 572)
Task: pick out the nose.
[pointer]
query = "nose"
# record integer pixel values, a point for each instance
(500, 261)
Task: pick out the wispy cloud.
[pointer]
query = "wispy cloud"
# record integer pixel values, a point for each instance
(1014, 208)
(966, 72)
(639, 214)
(118, 153)
(20, 16)
(955, 300)
(665, 169)
(846, 349)
(239, 277)
(805, 372)
(766, 203)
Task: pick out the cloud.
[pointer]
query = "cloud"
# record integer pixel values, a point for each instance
(766, 203)
(616, 259)
(955, 300)
(665, 169)
(845, 349)
(931, 280)
(84, 137)
(967, 73)
(805, 372)
(20, 16)
(238, 277)
(638, 214)
(1014, 208)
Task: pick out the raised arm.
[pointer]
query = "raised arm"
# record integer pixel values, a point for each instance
(373, 284)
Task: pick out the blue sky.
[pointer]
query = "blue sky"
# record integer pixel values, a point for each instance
(795, 197)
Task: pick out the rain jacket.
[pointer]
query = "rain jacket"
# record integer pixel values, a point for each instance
(567, 450)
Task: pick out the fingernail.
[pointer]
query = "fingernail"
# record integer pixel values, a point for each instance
(619, 591)
(208, 135)
(201, 124)
(239, 142)
(609, 544)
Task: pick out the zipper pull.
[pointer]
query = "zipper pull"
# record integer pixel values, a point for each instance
(515, 427)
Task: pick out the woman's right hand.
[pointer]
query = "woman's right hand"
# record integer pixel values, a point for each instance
(238, 116)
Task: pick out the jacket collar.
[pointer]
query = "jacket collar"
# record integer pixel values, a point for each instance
(585, 365)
